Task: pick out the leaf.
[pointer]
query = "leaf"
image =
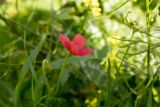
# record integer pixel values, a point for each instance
(25, 68)
(64, 77)
(73, 59)
(65, 13)
(4, 37)
(6, 93)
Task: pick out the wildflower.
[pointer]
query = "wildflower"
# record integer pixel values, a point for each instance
(87, 2)
(94, 6)
(96, 11)
(91, 102)
(76, 46)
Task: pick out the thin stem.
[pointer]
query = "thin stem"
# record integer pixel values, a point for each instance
(148, 39)
(45, 62)
(60, 75)
(122, 60)
(125, 53)
(62, 69)
(111, 12)
(109, 84)
(44, 73)
(149, 104)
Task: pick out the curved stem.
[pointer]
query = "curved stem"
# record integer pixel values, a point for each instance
(62, 69)
(60, 75)
(44, 74)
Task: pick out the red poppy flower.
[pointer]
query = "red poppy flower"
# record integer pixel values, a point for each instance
(76, 46)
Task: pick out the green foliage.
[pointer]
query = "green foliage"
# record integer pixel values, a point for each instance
(37, 71)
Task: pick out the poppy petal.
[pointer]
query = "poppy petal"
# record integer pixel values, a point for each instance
(79, 41)
(84, 52)
(77, 46)
(65, 40)
(74, 49)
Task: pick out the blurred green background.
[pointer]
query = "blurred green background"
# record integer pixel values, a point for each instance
(115, 75)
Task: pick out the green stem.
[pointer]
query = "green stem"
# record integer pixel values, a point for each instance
(62, 69)
(60, 75)
(111, 12)
(44, 74)
(148, 39)
(126, 52)
(149, 102)
(109, 84)
(45, 62)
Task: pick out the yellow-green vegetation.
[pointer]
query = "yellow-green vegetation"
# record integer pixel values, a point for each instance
(36, 70)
